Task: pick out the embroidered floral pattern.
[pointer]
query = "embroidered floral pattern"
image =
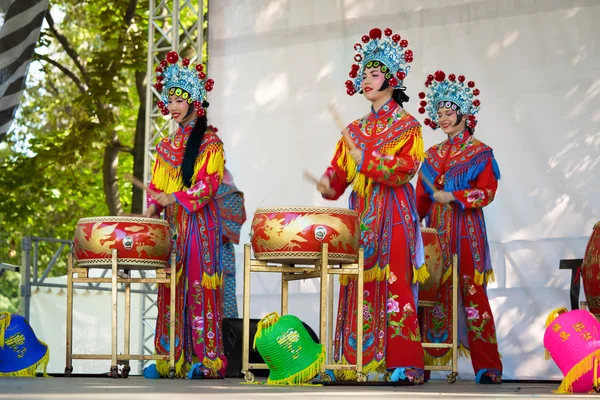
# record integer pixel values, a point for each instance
(398, 326)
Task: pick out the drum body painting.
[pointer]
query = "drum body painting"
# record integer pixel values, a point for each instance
(295, 234)
(141, 242)
(435, 265)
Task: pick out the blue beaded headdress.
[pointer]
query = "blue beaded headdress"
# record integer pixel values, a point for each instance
(451, 93)
(388, 50)
(181, 80)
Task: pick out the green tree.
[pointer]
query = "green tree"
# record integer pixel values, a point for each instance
(79, 115)
(81, 126)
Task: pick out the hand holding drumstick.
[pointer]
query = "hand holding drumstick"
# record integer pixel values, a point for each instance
(323, 184)
(440, 196)
(162, 198)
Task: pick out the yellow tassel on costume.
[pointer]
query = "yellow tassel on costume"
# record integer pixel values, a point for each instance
(490, 277)
(551, 317)
(479, 277)
(372, 274)
(464, 352)
(417, 151)
(212, 282)
(181, 367)
(420, 275)
(216, 160)
(447, 274)
(168, 178)
(350, 374)
(214, 365)
(363, 185)
(4, 323)
(581, 368)
(439, 361)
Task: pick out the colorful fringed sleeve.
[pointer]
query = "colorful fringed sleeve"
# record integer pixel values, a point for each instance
(336, 172)
(424, 201)
(401, 162)
(209, 168)
(483, 188)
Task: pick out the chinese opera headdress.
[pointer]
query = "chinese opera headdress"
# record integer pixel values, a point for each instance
(387, 51)
(451, 92)
(182, 80)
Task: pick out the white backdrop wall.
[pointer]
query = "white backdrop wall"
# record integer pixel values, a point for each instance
(277, 64)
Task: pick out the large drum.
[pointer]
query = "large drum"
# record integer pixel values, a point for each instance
(591, 272)
(295, 234)
(141, 243)
(434, 261)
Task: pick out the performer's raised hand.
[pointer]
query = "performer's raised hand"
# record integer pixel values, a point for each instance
(164, 199)
(443, 197)
(324, 187)
(151, 212)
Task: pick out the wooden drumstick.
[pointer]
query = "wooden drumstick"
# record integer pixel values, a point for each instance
(428, 182)
(336, 117)
(139, 184)
(310, 177)
(341, 126)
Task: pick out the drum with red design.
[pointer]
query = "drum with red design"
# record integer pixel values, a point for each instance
(591, 272)
(141, 243)
(435, 266)
(295, 234)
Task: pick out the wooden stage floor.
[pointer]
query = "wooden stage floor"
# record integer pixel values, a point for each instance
(136, 387)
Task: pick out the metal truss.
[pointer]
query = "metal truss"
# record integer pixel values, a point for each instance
(174, 25)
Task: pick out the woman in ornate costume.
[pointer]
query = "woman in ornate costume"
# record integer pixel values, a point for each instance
(187, 173)
(459, 177)
(378, 155)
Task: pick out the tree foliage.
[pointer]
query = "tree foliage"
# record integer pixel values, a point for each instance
(79, 113)
(79, 128)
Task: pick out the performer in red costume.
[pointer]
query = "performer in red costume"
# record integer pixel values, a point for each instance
(378, 155)
(186, 175)
(465, 176)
